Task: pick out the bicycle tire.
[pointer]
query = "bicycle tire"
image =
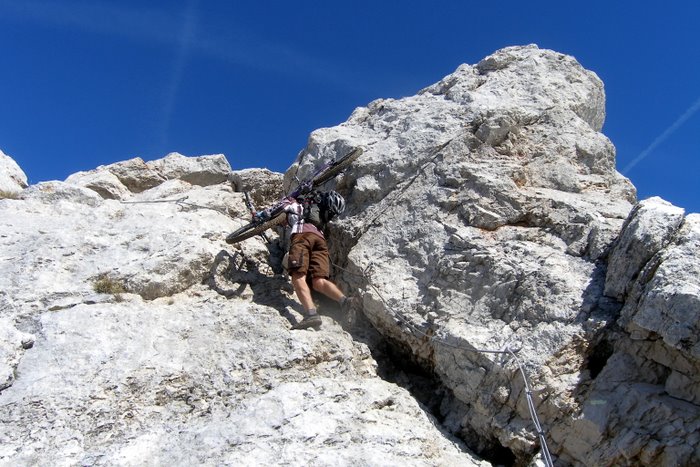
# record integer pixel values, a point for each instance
(252, 229)
(337, 167)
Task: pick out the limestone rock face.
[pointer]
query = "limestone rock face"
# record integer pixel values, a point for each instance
(263, 186)
(645, 385)
(12, 344)
(487, 234)
(481, 217)
(650, 227)
(203, 170)
(201, 380)
(12, 178)
(669, 305)
(120, 180)
(130, 335)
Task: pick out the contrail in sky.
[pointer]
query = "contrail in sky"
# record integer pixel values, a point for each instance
(134, 23)
(187, 38)
(159, 26)
(663, 136)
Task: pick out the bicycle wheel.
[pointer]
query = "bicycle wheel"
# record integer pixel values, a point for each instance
(336, 167)
(253, 229)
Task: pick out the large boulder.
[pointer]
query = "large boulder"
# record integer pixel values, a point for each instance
(668, 304)
(102, 182)
(12, 178)
(650, 226)
(202, 170)
(122, 179)
(263, 185)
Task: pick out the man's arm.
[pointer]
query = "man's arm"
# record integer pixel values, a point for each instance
(288, 205)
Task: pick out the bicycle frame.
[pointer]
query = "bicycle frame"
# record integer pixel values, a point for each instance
(259, 224)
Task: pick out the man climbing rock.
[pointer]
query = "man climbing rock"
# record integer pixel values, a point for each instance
(308, 262)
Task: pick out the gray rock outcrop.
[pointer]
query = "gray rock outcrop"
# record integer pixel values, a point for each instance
(646, 394)
(487, 231)
(128, 337)
(483, 214)
(120, 180)
(12, 178)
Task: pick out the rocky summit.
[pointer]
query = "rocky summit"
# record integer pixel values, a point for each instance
(518, 303)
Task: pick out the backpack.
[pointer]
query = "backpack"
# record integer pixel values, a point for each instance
(321, 207)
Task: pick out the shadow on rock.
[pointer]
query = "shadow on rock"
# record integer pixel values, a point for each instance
(232, 275)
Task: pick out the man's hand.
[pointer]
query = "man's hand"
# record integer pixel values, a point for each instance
(261, 216)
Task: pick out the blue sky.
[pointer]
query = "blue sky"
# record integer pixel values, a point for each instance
(90, 82)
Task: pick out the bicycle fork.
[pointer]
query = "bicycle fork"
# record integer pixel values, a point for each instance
(253, 211)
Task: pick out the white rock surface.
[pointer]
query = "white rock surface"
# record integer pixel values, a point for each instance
(186, 381)
(12, 178)
(262, 184)
(120, 180)
(670, 305)
(12, 344)
(165, 369)
(202, 170)
(481, 216)
(103, 182)
(647, 392)
(650, 227)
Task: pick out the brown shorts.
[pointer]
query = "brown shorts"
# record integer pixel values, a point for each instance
(308, 254)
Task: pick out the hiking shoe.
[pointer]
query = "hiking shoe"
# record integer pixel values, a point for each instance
(311, 321)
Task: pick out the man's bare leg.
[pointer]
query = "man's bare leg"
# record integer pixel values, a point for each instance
(332, 291)
(302, 290)
(311, 318)
(327, 288)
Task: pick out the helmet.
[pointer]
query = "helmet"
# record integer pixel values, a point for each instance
(334, 204)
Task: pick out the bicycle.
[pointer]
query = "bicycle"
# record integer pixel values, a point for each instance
(277, 215)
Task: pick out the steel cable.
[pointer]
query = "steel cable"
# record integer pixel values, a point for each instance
(506, 351)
